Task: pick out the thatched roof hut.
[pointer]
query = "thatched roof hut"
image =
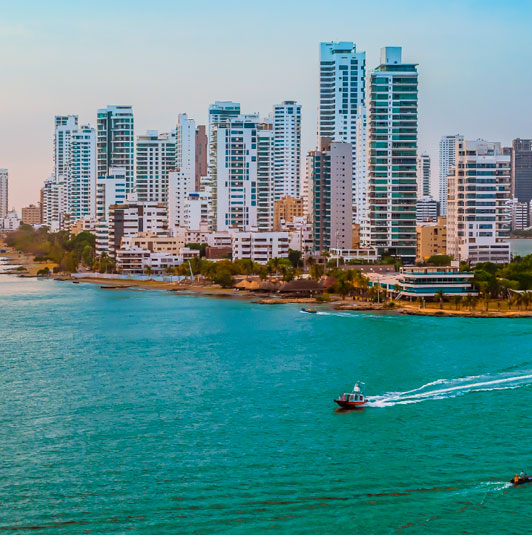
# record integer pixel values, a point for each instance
(302, 287)
(247, 285)
(269, 287)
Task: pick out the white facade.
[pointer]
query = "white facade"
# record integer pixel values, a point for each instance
(447, 161)
(423, 175)
(342, 96)
(11, 221)
(266, 161)
(116, 142)
(219, 113)
(287, 149)
(4, 192)
(360, 205)
(260, 246)
(186, 148)
(477, 215)
(235, 192)
(518, 214)
(156, 157)
(55, 200)
(81, 174)
(196, 210)
(64, 126)
(179, 187)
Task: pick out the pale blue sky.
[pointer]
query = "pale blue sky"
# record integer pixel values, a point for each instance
(167, 57)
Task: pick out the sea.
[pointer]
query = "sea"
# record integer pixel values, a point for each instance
(153, 412)
(521, 246)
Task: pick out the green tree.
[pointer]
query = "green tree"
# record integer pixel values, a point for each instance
(295, 258)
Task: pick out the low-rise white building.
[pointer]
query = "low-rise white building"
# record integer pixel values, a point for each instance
(260, 246)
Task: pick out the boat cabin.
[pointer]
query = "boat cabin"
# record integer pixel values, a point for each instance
(352, 397)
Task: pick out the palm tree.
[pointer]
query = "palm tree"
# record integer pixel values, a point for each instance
(469, 301)
(457, 300)
(148, 270)
(343, 287)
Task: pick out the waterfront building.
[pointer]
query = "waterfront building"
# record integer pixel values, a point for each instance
(342, 100)
(477, 215)
(219, 113)
(110, 190)
(81, 174)
(427, 209)
(423, 175)
(392, 150)
(186, 149)
(260, 246)
(4, 192)
(65, 125)
(132, 217)
(156, 157)
(287, 149)
(154, 242)
(285, 210)
(179, 188)
(431, 239)
(265, 175)
(201, 155)
(31, 215)
(522, 169)
(427, 282)
(331, 189)
(447, 161)
(116, 142)
(242, 187)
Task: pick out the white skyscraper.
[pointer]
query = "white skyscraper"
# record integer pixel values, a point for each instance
(287, 149)
(179, 187)
(447, 161)
(219, 112)
(55, 202)
(186, 147)
(243, 174)
(64, 126)
(342, 98)
(4, 191)
(423, 175)
(116, 142)
(156, 157)
(81, 174)
(477, 222)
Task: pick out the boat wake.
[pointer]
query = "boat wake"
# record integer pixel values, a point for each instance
(450, 388)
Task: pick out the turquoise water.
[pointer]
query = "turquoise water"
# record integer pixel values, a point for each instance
(521, 246)
(154, 413)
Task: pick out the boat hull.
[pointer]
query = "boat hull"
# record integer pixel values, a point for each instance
(350, 404)
(521, 481)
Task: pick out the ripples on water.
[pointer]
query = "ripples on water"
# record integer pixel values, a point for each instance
(155, 413)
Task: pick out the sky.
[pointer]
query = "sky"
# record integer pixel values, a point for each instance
(168, 57)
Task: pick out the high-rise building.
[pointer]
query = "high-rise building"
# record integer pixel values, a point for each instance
(4, 192)
(392, 151)
(201, 154)
(64, 126)
(116, 142)
(81, 174)
(522, 169)
(447, 161)
(342, 99)
(518, 214)
(156, 157)
(477, 213)
(287, 149)
(186, 148)
(219, 113)
(331, 183)
(423, 175)
(243, 175)
(180, 186)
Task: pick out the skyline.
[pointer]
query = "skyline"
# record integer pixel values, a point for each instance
(43, 69)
